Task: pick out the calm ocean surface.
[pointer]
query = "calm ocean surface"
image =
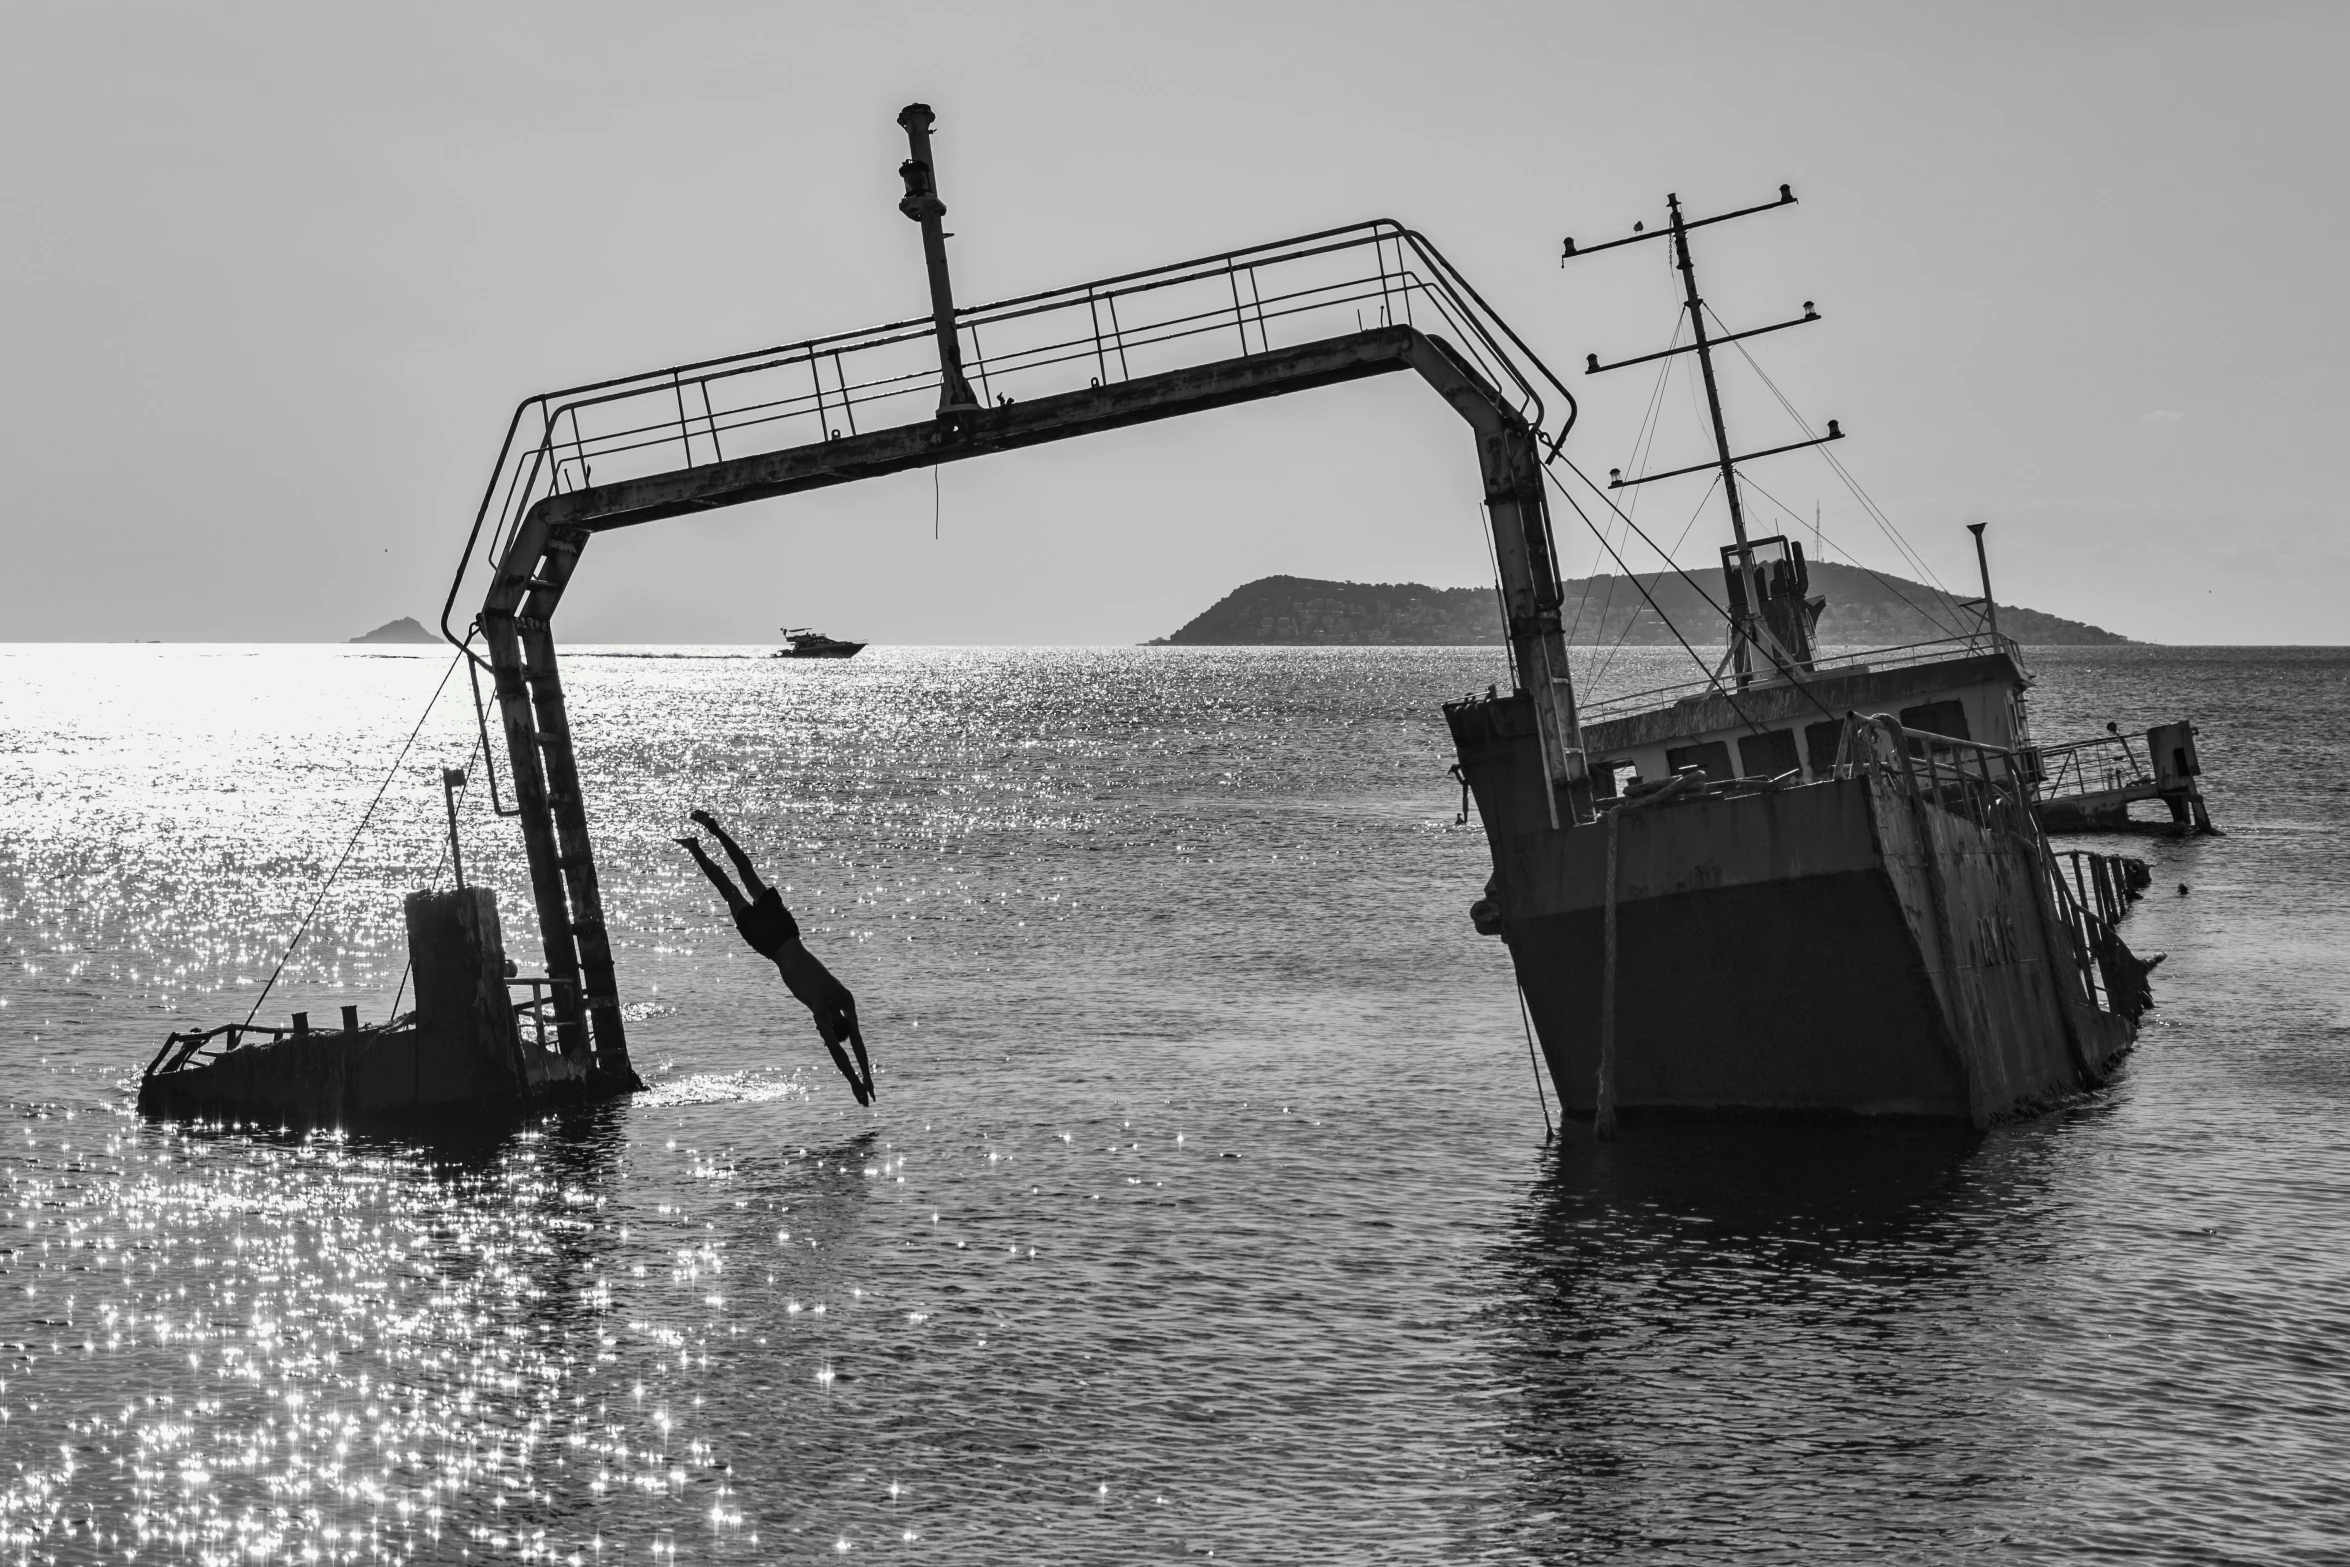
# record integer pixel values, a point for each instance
(1206, 1207)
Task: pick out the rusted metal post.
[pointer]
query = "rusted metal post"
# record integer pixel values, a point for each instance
(921, 203)
(452, 780)
(1531, 596)
(1983, 569)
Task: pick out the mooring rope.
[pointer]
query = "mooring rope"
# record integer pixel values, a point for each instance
(316, 903)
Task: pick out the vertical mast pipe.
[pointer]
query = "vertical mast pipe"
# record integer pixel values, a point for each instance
(921, 203)
(1713, 405)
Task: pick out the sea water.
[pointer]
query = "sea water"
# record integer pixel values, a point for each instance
(1206, 1208)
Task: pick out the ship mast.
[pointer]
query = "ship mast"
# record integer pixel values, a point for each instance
(1713, 408)
(1786, 644)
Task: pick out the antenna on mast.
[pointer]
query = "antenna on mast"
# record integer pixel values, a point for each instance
(1768, 606)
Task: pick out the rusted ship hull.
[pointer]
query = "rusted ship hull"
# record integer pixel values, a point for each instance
(1854, 946)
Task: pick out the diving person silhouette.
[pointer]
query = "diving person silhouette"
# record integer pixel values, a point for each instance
(772, 933)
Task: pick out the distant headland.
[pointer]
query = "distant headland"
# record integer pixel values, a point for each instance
(1864, 608)
(405, 629)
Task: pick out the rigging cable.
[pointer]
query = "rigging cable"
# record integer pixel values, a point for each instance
(1548, 1131)
(1558, 454)
(1634, 620)
(1921, 611)
(1875, 513)
(303, 929)
(1568, 496)
(1713, 676)
(1509, 648)
(1643, 443)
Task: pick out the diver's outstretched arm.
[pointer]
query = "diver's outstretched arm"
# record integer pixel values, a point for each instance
(857, 1085)
(734, 899)
(734, 851)
(865, 1067)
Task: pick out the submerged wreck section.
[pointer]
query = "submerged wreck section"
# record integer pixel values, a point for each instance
(2090, 785)
(468, 1050)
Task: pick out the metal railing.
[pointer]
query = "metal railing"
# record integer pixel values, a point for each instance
(539, 1010)
(1851, 661)
(2101, 765)
(1993, 788)
(2091, 904)
(1987, 785)
(1238, 303)
(197, 1048)
(187, 1051)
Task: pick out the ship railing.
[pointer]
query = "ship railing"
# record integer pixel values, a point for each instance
(2100, 765)
(184, 1052)
(2091, 904)
(1845, 661)
(1253, 301)
(1988, 785)
(537, 1011)
(1993, 788)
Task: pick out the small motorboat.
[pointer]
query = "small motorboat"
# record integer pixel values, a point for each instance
(802, 642)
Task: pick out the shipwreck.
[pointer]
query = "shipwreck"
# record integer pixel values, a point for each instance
(1805, 885)
(1801, 884)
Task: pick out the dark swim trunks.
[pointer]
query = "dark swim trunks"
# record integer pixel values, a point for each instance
(766, 924)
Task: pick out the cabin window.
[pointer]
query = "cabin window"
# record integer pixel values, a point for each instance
(1768, 754)
(1713, 756)
(1609, 778)
(1821, 742)
(1937, 718)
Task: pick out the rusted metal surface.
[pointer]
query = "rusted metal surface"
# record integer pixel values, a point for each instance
(1891, 941)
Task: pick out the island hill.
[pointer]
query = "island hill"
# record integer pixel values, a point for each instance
(1864, 609)
(405, 629)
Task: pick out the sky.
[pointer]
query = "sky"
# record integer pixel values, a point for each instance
(273, 278)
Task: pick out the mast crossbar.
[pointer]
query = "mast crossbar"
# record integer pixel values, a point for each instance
(1616, 480)
(1592, 366)
(1786, 199)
